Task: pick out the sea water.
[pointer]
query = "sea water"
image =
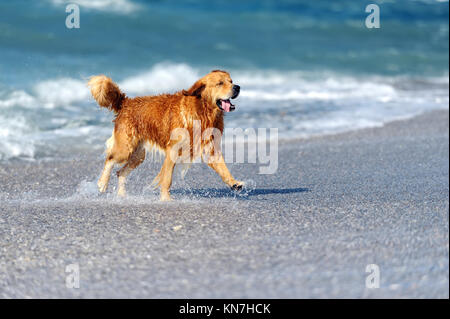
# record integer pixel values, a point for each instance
(304, 67)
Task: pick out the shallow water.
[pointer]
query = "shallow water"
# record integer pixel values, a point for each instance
(306, 68)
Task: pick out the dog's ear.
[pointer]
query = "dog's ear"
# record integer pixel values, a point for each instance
(195, 90)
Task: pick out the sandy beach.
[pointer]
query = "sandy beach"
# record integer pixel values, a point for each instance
(336, 204)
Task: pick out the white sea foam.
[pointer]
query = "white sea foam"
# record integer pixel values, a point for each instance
(13, 138)
(16, 98)
(64, 92)
(160, 79)
(299, 104)
(61, 92)
(116, 6)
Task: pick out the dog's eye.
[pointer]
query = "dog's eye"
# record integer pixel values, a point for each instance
(220, 83)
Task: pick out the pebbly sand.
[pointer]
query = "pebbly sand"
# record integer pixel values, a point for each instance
(336, 204)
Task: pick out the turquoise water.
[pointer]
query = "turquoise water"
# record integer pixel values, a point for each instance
(305, 67)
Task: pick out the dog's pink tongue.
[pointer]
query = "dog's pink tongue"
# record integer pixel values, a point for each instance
(226, 105)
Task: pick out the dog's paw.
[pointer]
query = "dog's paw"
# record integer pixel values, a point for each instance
(102, 187)
(165, 197)
(237, 186)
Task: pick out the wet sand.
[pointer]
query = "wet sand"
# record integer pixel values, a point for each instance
(336, 204)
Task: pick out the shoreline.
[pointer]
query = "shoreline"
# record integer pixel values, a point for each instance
(99, 148)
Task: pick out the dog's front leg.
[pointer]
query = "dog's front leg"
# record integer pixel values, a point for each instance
(166, 177)
(217, 163)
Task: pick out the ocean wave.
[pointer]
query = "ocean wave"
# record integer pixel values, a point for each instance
(13, 138)
(299, 104)
(17, 98)
(116, 6)
(64, 92)
(61, 92)
(162, 78)
(263, 85)
(326, 92)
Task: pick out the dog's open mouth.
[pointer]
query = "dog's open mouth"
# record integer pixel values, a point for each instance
(225, 105)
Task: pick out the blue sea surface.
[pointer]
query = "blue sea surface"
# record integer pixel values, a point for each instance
(305, 67)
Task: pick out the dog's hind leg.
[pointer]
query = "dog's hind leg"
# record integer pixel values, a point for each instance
(119, 149)
(109, 164)
(106, 173)
(135, 160)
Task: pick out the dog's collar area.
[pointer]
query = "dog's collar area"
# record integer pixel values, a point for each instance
(225, 105)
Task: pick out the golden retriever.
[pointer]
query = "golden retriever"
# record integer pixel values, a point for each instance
(150, 121)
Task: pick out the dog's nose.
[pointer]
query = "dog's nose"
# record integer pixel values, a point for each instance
(236, 90)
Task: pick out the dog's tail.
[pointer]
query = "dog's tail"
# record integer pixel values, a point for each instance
(106, 93)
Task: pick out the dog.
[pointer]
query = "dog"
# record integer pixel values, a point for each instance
(148, 122)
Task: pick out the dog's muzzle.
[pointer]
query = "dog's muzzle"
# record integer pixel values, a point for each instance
(226, 105)
(236, 90)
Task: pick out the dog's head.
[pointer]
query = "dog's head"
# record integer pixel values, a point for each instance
(216, 88)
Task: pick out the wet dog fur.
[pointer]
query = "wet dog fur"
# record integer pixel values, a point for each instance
(148, 122)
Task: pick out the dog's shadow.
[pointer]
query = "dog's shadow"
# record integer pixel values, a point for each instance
(245, 193)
